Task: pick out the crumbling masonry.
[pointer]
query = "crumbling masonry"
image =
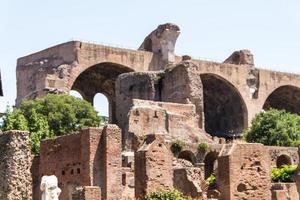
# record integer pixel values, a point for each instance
(155, 97)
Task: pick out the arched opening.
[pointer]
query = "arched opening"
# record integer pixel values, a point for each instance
(283, 160)
(210, 164)
(285, 97)
(100, 78)
(225, 112)
(76, 94)
(187, 155)
(103, 107)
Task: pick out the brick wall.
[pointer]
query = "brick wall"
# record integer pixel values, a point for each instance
(153, 164)
(244, 172)
(91, 157)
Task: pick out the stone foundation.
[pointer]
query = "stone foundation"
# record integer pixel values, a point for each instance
(87, 193)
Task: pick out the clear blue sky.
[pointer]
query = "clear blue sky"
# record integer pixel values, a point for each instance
(210, 29)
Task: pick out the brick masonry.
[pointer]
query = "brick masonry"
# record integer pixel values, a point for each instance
(244, 172)
(153, 166)
(89, 158)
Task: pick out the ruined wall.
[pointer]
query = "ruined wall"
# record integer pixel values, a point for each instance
(153, 164)
(244, 172)
(89, 158)
(70, 158)
(112, 165)
(15, 164)
(285, 155)
(135, 85)
(35, 172)
(173, 120)
(87, 193)
(55, 69)
(189, 181)
(282, 191)
(182, 84)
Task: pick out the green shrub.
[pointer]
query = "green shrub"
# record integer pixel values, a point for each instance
(177, 147)
(54, 115)
(211, 180)
(274, 127)
(203, 147)
(284, 173)
(166, 195)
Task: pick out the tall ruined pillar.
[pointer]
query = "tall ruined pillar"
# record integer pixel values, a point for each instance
(111, 141)
(153, 164)
(15, 163)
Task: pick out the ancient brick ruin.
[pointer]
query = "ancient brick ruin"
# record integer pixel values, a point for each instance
(155, 98)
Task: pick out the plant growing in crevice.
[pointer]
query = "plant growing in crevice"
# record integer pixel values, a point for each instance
(203, 147)
(177, 146)
(284, 173)
(166, 195)
(212, 181)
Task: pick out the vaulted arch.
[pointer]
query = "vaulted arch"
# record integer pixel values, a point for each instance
(286, 97)
(100, 78)
(225, 111)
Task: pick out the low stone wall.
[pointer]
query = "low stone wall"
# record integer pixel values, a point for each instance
(15, 164)
(189, 181)
(282, 191)
(87, 193)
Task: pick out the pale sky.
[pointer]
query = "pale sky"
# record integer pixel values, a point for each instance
(210, 29)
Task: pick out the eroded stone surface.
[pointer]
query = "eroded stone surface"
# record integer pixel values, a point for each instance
(162, 41)
(154, 163)
(242, 57)
(244, 172)
(15, 164)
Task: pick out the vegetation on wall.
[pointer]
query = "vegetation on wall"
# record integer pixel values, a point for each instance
(274, 127)
(211, 180)
(203, 147)
(177, 146)
(284, 173)
(51, 116)
(166, 195)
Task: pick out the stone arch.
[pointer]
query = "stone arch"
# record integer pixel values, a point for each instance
(187, 155)
(100, 78)
(225, 112)
(210, 163)
(285, 97)
(283, 159)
